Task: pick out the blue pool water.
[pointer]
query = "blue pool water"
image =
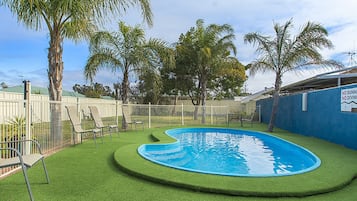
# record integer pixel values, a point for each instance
(230, 152)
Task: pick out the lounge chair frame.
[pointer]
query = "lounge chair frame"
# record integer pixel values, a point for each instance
(98, 121)
(127, 117)
(24, 161)
(251, 118)
(242, 118)
(77, 127)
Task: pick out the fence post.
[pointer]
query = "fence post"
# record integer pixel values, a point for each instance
(149, 115)
(27, 95)
(182, 116)
(116, 113)
(260, 113)
(227, 115)
(78, 109)
(78, 136)
(211, 115)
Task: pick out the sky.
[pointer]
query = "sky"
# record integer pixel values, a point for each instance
(23, 52)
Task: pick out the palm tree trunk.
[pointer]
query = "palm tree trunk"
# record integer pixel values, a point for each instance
(125, 90)
(275, 106)
(125, 87)
(55, 76)
(116, 90)
(195, 100)
(196, 103)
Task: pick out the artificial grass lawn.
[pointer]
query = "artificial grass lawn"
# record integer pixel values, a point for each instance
(87, 173)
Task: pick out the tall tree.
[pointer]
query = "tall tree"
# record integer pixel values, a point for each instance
(72, 19)
(283, 53)
(206, 48)
(126, 51)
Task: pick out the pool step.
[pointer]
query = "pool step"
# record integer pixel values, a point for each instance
(177, 157)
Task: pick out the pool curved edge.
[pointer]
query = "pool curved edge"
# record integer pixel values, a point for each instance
(142, 149)
(127, 160)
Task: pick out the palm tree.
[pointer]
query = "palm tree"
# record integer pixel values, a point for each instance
(125, 51)
(285, 53)
(72, 19)
(211, 46)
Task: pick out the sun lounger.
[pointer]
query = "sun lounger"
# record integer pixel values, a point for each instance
(77, 127)
(98, 121)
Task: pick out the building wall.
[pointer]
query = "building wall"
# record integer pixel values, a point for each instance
(323, 118)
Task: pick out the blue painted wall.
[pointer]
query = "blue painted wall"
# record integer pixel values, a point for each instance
(323, 118)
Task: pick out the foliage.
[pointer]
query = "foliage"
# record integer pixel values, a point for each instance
(203, 59)
(68, 19)
(127, 51)
(93, 91)
(183, 77)
(116, 51)
(150, 85)
(16, 126)
(284, 53)
(228, 80)
(72, 19)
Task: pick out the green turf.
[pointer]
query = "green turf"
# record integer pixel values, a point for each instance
(87, 173)
(315, 182)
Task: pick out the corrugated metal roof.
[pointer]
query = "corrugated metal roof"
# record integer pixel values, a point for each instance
(336, 78)
(326, 80)
(258, 95)
(39, 90)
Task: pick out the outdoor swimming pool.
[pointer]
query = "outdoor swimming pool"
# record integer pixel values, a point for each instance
(230, 152)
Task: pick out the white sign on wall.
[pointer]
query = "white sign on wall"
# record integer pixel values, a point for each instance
(348, 99)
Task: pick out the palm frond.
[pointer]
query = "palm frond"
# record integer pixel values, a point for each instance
(284, 53)
(105, 59)
(104, 40)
